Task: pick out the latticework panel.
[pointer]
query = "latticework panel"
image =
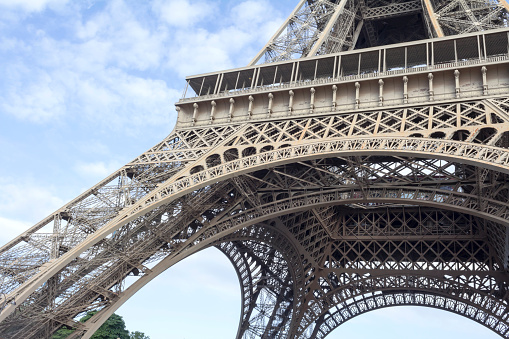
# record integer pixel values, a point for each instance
(322, 27)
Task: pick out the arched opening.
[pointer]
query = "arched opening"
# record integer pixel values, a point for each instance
(231, 154)
(485, 135)
(461, 135)
(403, 322)
(248, 152)
(437, 135)
(266, 149)
(213, 160)
(196, 169)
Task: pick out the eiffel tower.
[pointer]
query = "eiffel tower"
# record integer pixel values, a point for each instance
(360, 161)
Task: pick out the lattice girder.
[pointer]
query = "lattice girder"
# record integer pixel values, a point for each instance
(468, 202)
(263, 273)
(324, 27)
(309, 198)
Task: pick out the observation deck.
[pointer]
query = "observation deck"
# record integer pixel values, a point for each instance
(451, 68)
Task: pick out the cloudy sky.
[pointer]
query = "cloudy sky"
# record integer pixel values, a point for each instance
(87, 85)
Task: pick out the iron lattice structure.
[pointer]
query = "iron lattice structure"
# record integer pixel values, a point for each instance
(372, 172)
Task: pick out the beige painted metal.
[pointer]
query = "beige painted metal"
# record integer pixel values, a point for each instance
(282, 156)
(339, 9)
(504, 4)
(174, 189)
(433, 17)
(281, 29)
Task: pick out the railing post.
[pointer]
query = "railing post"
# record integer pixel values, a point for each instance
(431, 93)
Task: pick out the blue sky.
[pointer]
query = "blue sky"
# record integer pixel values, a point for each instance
(86, 86)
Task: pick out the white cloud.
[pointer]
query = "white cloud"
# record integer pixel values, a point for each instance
(194, 51)
(95, 147)
(206, 52)
(110, 66)
(40, 100)
(9, 229)
(250, 14)
(97, 170)
(26, 201)
(77, 79)
(118, 101)
(117, 37)
(183, 13)
(204, 270)
(32, 5)
(13, 45)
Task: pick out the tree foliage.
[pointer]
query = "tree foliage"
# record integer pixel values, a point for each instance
(62, 333)
(112, 328)
(138, 335)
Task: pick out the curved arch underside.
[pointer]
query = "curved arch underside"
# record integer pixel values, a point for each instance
(320, 223)
(308, 236)
(356, 276)
(347, 216)
(340, 296)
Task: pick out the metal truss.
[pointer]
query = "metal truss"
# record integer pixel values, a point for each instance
(311, 25)
(266, 278)
(321, 27)
(283, 199)
(463, 16)
(325, 214)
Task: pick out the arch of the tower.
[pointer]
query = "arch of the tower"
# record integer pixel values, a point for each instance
(422, 198)
(433, 221)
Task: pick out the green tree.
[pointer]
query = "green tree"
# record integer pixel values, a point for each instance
(62, 333)
(112, 328)
(138, 335)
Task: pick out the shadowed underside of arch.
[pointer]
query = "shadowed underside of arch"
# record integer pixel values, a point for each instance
(303, 231)
(326, 223)
(342, 296)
